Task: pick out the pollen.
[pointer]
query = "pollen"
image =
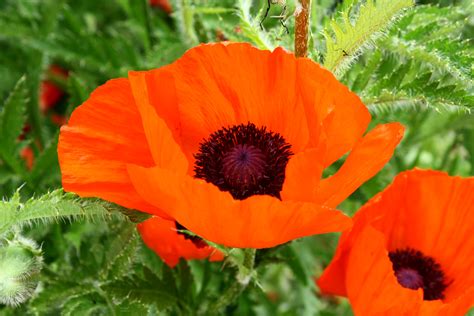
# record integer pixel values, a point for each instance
(244, 160)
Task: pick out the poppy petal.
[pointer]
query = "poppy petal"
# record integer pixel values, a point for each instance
(256, 222)
(302, 176)
(333, 111)
(162, 237)
(93, 149)
(369, 155)
(164, 149)
(369, 264)
(220, 85)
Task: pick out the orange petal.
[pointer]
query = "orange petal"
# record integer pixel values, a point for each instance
(369, 155)
(226, 84)
(162, 237)
(372, 287)
(302, 176)
(257, 222)
(333, 112)
(94, 149)
(164, 148)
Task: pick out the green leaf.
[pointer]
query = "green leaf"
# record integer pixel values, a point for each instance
(46, 164)
(148, 291)
(184, 16)
(416, 67)
(52, 206)
(295, 264)
(12, 120)
(250, 27)
(348, 36)
(120, 253)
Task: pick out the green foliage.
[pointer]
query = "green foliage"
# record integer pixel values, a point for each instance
(51, 207)
(346, 36)
(423, 63)
(12, 120)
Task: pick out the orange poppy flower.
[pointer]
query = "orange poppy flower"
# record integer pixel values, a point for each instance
(230, 141)
(163, 4)
(410, 251)
(164, 238)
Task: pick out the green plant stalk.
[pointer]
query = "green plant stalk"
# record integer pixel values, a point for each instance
(243, 277)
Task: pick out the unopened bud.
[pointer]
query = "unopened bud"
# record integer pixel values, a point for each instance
(20, 263)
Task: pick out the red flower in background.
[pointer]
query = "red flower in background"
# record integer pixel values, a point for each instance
(51, 93)
(28, 157)
(410, 251)
(163, 4)
(167, 242)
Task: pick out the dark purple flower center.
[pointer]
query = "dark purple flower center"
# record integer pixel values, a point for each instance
(409, 278)
(244, 160)
(414, 270)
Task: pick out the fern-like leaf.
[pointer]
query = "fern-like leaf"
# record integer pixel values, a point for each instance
(348, 36)
(12, 120)
(53, 206)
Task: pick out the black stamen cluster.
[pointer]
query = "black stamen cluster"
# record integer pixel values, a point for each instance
(244, 160)
(426, 268)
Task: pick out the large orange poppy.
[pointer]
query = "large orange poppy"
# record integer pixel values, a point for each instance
(164, 238)
(410, 251)
(230, 141)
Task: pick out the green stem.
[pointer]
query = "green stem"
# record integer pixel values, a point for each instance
(243, 277)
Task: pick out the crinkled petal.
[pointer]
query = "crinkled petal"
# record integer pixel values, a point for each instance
(165, 150)
(333, 112)
(102, 136)
(256, 222)
(369, 155)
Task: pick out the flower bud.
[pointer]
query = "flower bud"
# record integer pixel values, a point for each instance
(20, 263)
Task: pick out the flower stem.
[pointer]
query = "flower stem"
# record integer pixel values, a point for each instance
(302, 28)
(243, 277)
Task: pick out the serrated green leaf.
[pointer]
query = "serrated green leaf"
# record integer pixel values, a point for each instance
(12, 121)
(148, 291)
(120, 253)
(52, 206)
(347, 36)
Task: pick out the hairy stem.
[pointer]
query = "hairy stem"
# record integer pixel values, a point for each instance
(243, 277)
(302, 28)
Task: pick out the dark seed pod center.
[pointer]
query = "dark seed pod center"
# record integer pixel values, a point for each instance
(414, 270)
(409, 278)
(244, 160)
(243, 165)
